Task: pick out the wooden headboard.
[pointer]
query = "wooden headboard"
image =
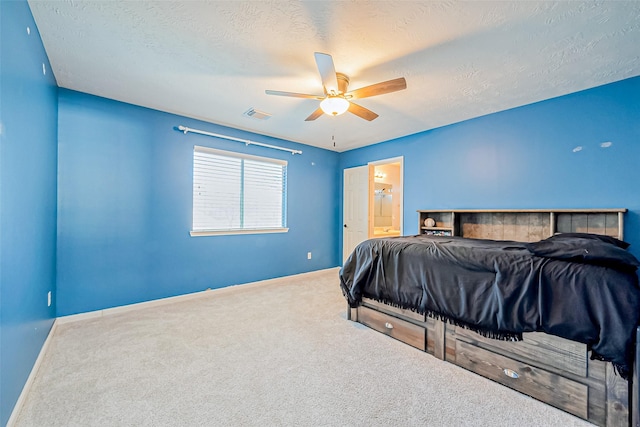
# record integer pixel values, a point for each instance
(523, 225)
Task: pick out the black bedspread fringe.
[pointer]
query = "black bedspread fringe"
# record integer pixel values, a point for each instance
(496, 335)
(622, 370)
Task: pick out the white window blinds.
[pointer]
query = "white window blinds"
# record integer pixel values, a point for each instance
(238, 192)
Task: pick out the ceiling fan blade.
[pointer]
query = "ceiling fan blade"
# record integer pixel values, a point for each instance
(362, 112)
(378, 88)
(314, 115)
(327, 73)
(293, 94)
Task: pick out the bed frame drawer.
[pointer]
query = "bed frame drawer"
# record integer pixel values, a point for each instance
(558, 354)
(407, 332)
(553, 389)
(394, 311)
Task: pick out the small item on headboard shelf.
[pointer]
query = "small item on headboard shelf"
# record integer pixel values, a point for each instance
(438, 232)
(429, 222)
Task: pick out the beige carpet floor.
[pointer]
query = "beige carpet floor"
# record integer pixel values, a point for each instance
(278, 354)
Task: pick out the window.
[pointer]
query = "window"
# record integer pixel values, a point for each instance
(237, 193)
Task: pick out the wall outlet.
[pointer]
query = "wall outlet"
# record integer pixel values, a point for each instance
(49, 299)
(308, 255)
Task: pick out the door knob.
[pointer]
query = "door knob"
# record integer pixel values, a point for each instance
(345, 226)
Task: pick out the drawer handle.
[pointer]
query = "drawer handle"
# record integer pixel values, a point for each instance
(511, 373)
(388, 325)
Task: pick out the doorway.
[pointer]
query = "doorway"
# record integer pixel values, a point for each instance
(386, 198)
(373, 202)
(355, 209)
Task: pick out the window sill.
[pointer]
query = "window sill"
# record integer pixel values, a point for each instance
(244, 231)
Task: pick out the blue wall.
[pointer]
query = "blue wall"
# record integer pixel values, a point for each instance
(525, 158)
(28, 121)
(125, 202)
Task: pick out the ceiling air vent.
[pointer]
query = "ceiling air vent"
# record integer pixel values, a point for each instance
(257, 114)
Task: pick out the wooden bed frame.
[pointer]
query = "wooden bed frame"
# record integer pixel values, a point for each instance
(554, 370)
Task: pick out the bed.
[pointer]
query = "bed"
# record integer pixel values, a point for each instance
(555, 318)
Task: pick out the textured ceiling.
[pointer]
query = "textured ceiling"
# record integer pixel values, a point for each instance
(213, 60)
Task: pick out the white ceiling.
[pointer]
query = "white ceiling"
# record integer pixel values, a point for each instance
(213, 60)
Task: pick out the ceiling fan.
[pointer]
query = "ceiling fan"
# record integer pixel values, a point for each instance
(336, 99)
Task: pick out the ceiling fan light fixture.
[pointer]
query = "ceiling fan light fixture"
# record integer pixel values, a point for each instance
(334, 105)
(337, 97)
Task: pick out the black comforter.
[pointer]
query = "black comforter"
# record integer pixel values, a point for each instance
(577, 287)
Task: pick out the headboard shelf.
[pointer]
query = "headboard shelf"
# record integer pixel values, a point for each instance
(524, 225)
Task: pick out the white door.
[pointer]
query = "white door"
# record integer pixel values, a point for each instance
(355, 209)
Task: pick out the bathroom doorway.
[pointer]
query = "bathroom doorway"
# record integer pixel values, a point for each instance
(386, 197)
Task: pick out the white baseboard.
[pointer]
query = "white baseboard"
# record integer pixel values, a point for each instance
(32, 375)
(185, 297)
